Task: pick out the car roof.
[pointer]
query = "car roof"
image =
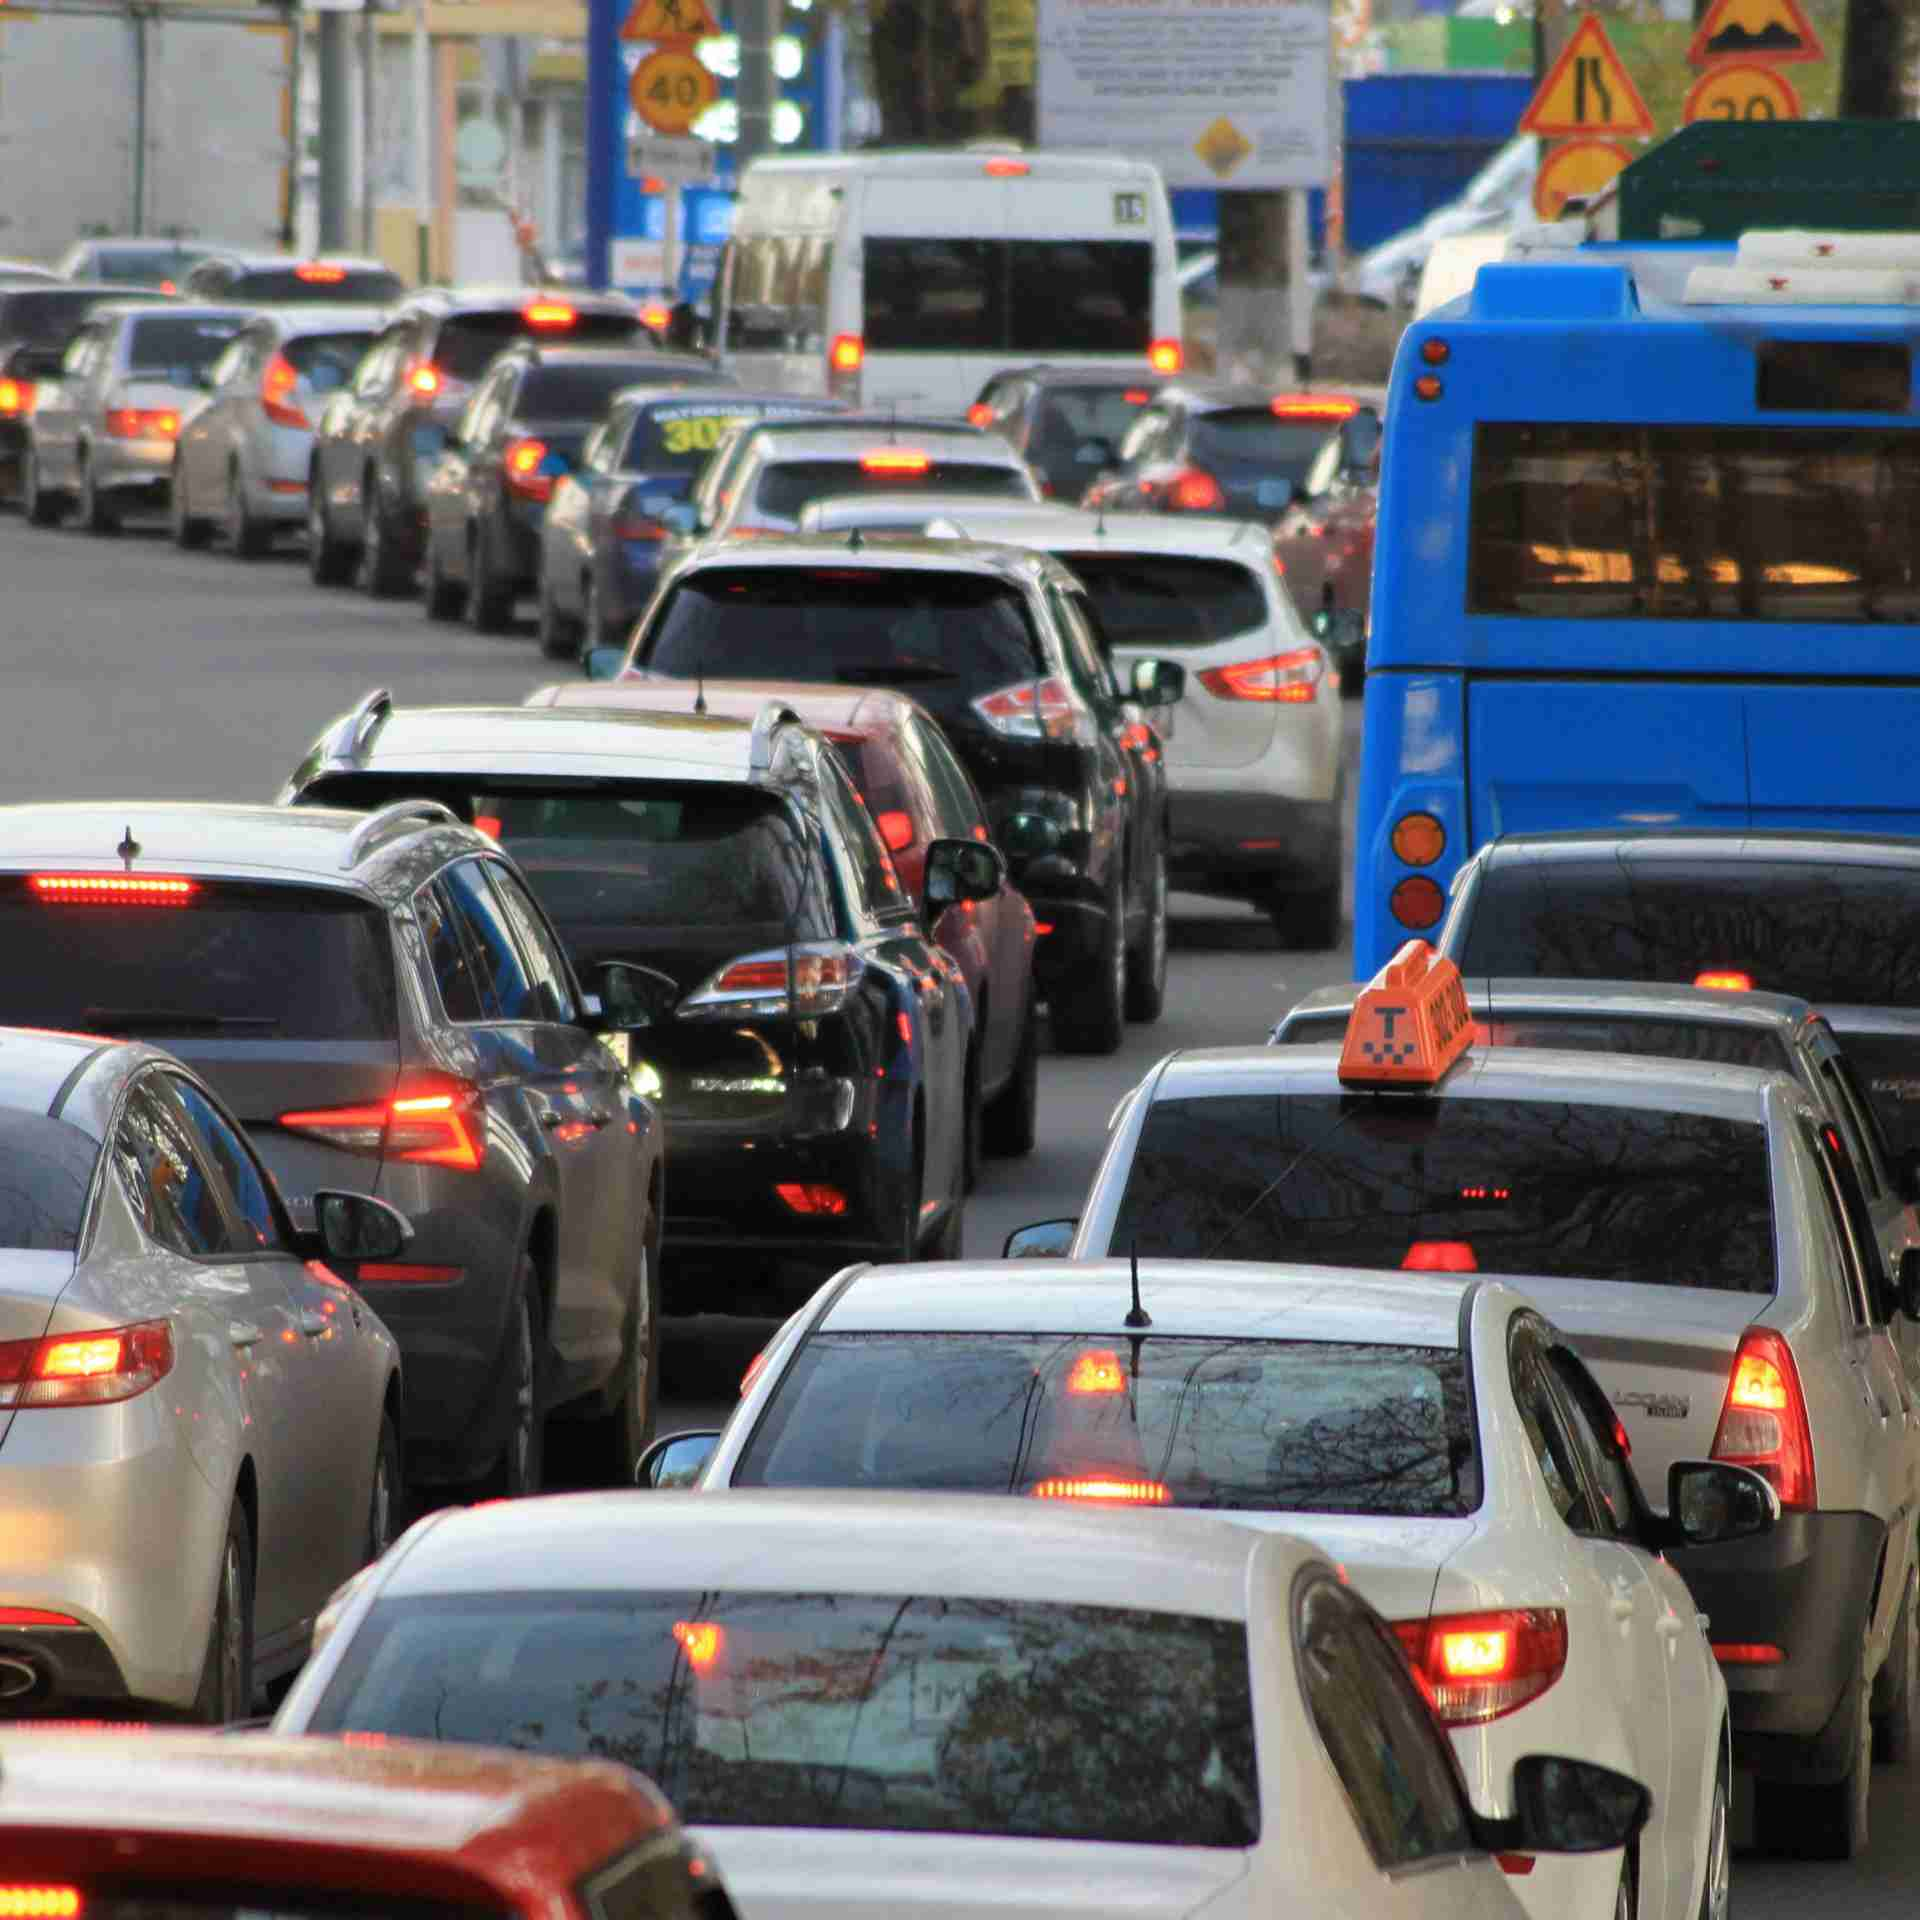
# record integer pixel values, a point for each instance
(173, 309)
(1062, 529)
(1605, 1000)
(596, 353)
(1018, 566)
(405, 1803)
(1116, 373)
(295, 323)
(1728, 844)
(35, 1064)
(941, 163)
(849, 442)
(714, 393)
(961, 1546)
(1202, 395)
(1211, 1299)
(251, 261)
(452, 302)
(820, 706)
(931, 504)
(827, 419)
(1514, 1074)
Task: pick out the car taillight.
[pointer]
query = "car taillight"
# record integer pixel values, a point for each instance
(1475, 1667)
(317, 273)
(1195, 491)
(550, 314)
(1112, 1490)
(978, 415)
(896, 829)
(1440, 1256)
(811, 1198)
(525, 463)
(1292, 679)
(847, 353)
(637, 526)
(1724, 980)
(1166, 356)
(799, 982)
(1417, 902)
(113, 889)
(16, 397)
(39, 1903)
(894, 460)
(436, 1123)
(1763, 1422)
(1418, 839)
(1031, 710)
(656, 316)
(278, 379)
(143, 423)
(85, 1369)
(425, 379)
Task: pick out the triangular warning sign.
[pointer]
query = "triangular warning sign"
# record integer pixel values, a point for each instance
(1587, 90)
(1754, 30)
(670, 20)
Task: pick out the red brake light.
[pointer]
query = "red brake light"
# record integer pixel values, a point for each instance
(1098, 1370)
(1166, 356)
(85, 1369)
(35, 1617)
(277, 380)
(754, 976)
(1748, 1653)
(1725, 979)
(896, 829)
(656, 316)
(1328, 410)
(1196, 492)
(895, 460)
(113, 889)
(490, 824)
(1476, 1667)
(1033, 710)
(439, 1125)
(39, 1903)
(978, 415)
(847, 353)
(1440, 1256)
(143, 423)
(1763, 1423)
(1127, 1493)
(1417, 902)
(526, 475)
(550, 313)
(16, 396)
(317, 273)
(1136, 396)
(1292, 679)
(425, 380)
(811, 1197)
(1004, 169)
(700, 1641)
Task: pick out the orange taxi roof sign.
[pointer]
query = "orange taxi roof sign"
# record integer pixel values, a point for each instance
(1409, 1024)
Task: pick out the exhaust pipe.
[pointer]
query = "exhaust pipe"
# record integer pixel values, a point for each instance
(19, 1681)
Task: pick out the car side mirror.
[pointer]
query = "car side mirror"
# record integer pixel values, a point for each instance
(356, 1226)
(675, 1462)
(1159, 683)
(1710, 1503)
(1043, 1240)
(631, 997)
(604, 663)
(961, 870)
(1567, 1806)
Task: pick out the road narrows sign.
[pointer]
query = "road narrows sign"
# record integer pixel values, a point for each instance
(1587, 91)
(1770, 30)
(1741, 90)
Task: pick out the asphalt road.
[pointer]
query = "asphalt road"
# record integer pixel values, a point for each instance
(128, 669)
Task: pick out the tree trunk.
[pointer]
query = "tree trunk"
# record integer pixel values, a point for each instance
(1871, 64)
(924, 53)
(1255, 339)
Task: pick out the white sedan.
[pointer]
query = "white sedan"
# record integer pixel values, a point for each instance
(876, 1704)
(1432, 1433)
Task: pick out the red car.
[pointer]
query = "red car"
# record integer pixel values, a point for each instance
(112, 1826)
(917, 791)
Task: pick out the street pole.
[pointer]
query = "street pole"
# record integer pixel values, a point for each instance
(606, 126)
(336, 111)
(422, 143)
(756, 89)
(367, 57)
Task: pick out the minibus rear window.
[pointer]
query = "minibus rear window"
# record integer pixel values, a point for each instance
(1019, 296)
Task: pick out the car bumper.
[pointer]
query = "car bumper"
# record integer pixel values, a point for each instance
(1804, 1588)
(133, 466)
(1252, 837)
(1070, 918)
(277, 473)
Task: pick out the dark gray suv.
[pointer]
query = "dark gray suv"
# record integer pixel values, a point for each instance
(384, 1005)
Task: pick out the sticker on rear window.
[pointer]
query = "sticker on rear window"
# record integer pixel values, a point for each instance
(695, 432)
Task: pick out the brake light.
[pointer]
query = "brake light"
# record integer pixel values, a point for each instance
(143, 423)
(1747, 1653)
(847, 353)
(1418, 839)
(800, 983)
(490, 824)
(895, 460)
(439, 1125)
(1196, 492)
(550, 313)
(896, 829)
(39, 1903)
(1292, 679)
(425, 380)
(85, 1369)
(277, 380)
(317, 273)
(1003, 169)
(1417, 902)
(1127, 1493)
(755, 976)
(113, 889)
(1033, 710)
(656, 316)
(1166, 356)
(700, 1641)
(1476, 1667)
(1763, 1423)
(525, 464)
(1725, 980)
(978, 415)
(811, 1198)
(1328, 410)
(1136, 396)
(35, 1617)
(16, 396)
(1098, 1370)
(1440, 1256)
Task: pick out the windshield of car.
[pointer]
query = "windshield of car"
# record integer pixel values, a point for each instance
(227, 960)
(325, 361)
(1299, 1426)
(1551, 1187)
(574, 392)
(1170, 599)
(890, 1711)
(290, 286)
(178, 346)
(1256, 436)
(466, 342)
(786, 486)
(867, 626)
(43, 1199)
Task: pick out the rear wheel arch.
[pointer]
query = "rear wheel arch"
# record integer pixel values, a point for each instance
(543, 1248)
(246, 1490)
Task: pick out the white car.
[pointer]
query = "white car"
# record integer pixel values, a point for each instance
(1254, 760)
(1433, 1434)
(870, 1705)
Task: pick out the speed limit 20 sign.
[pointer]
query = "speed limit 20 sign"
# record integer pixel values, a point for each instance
(671, 89)
(1742, 90)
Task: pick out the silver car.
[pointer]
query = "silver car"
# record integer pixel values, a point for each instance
(242, 461)
(103, 433)
(197, 1417)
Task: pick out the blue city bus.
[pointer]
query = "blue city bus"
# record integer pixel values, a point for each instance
(1648, 554)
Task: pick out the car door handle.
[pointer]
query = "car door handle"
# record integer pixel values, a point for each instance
(1622, 1602)
(243, 1333)
(1669, 1626)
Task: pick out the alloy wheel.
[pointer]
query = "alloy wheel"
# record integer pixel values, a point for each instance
(233, 1629)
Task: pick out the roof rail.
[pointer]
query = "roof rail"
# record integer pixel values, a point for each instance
(350, 734)
(760, 747)
(384, 822)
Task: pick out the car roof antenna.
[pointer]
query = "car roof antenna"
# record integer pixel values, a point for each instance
(854, 541)
(1137, 1315)
(1100, 524)
(700, 691)
(129, 848)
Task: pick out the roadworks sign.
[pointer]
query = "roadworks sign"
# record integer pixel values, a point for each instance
(1773, 30)
(1588, 91)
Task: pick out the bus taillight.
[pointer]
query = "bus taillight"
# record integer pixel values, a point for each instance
(1417, 902)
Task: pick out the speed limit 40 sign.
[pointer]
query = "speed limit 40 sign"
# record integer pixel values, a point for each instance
(1741, 90)
(671, 89)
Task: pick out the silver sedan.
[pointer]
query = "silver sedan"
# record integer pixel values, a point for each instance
(197, 1418)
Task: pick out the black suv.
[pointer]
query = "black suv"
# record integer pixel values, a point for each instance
(1004, 648)
(384, 1006)
(377, 439)
(1065, 422)
(814, 1065)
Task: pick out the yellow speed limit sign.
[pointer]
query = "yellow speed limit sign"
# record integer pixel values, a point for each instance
(670, 90)
(1742, 90)
(1577, 168)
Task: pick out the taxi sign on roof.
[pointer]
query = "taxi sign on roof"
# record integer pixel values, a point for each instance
(1409, 1024)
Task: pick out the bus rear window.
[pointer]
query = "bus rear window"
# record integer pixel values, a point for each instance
(1020, 296)
(1613, 522)
(1834, 376)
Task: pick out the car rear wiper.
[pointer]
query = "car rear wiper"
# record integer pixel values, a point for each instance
(171, 1020)
(887, 676)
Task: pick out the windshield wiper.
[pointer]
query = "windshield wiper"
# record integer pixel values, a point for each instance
(171, 1020)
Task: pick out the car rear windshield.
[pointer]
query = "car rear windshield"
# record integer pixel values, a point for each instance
(1298, 1426)
(146, 266)
(232, 961)
(178, 345)
(866, 627)
(677, 436)
(889, 1711)
(788, 486)
(467, 341)
(576, 392)
(1556, 1188)
(43, 1199)
(1066, 419)
(1170, 599)
(1008, 296)
(1257, 437)
(325, 361)
(42, 318)
(289, 287)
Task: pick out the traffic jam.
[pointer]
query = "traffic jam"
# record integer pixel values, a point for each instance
(1471, 1421)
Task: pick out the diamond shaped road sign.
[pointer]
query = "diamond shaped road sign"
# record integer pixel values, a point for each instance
(1223, 146)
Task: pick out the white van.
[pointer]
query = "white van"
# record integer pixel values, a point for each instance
(910, 279)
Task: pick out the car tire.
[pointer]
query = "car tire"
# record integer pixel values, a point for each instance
(250, 537)
(329, 559)
(1716, 1884)
(98, 514)
(559, 632)
(190, 532)
(386, 565)
(628, 1423)
(1897, 1689)
(386, 1502)
(41, 505)
(226, 1675)
(1147, 957)
(489, 605)
(1827, 1822)
(1009, 1121)
(521, 1394)
(443, 599)
(1089, 1015)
